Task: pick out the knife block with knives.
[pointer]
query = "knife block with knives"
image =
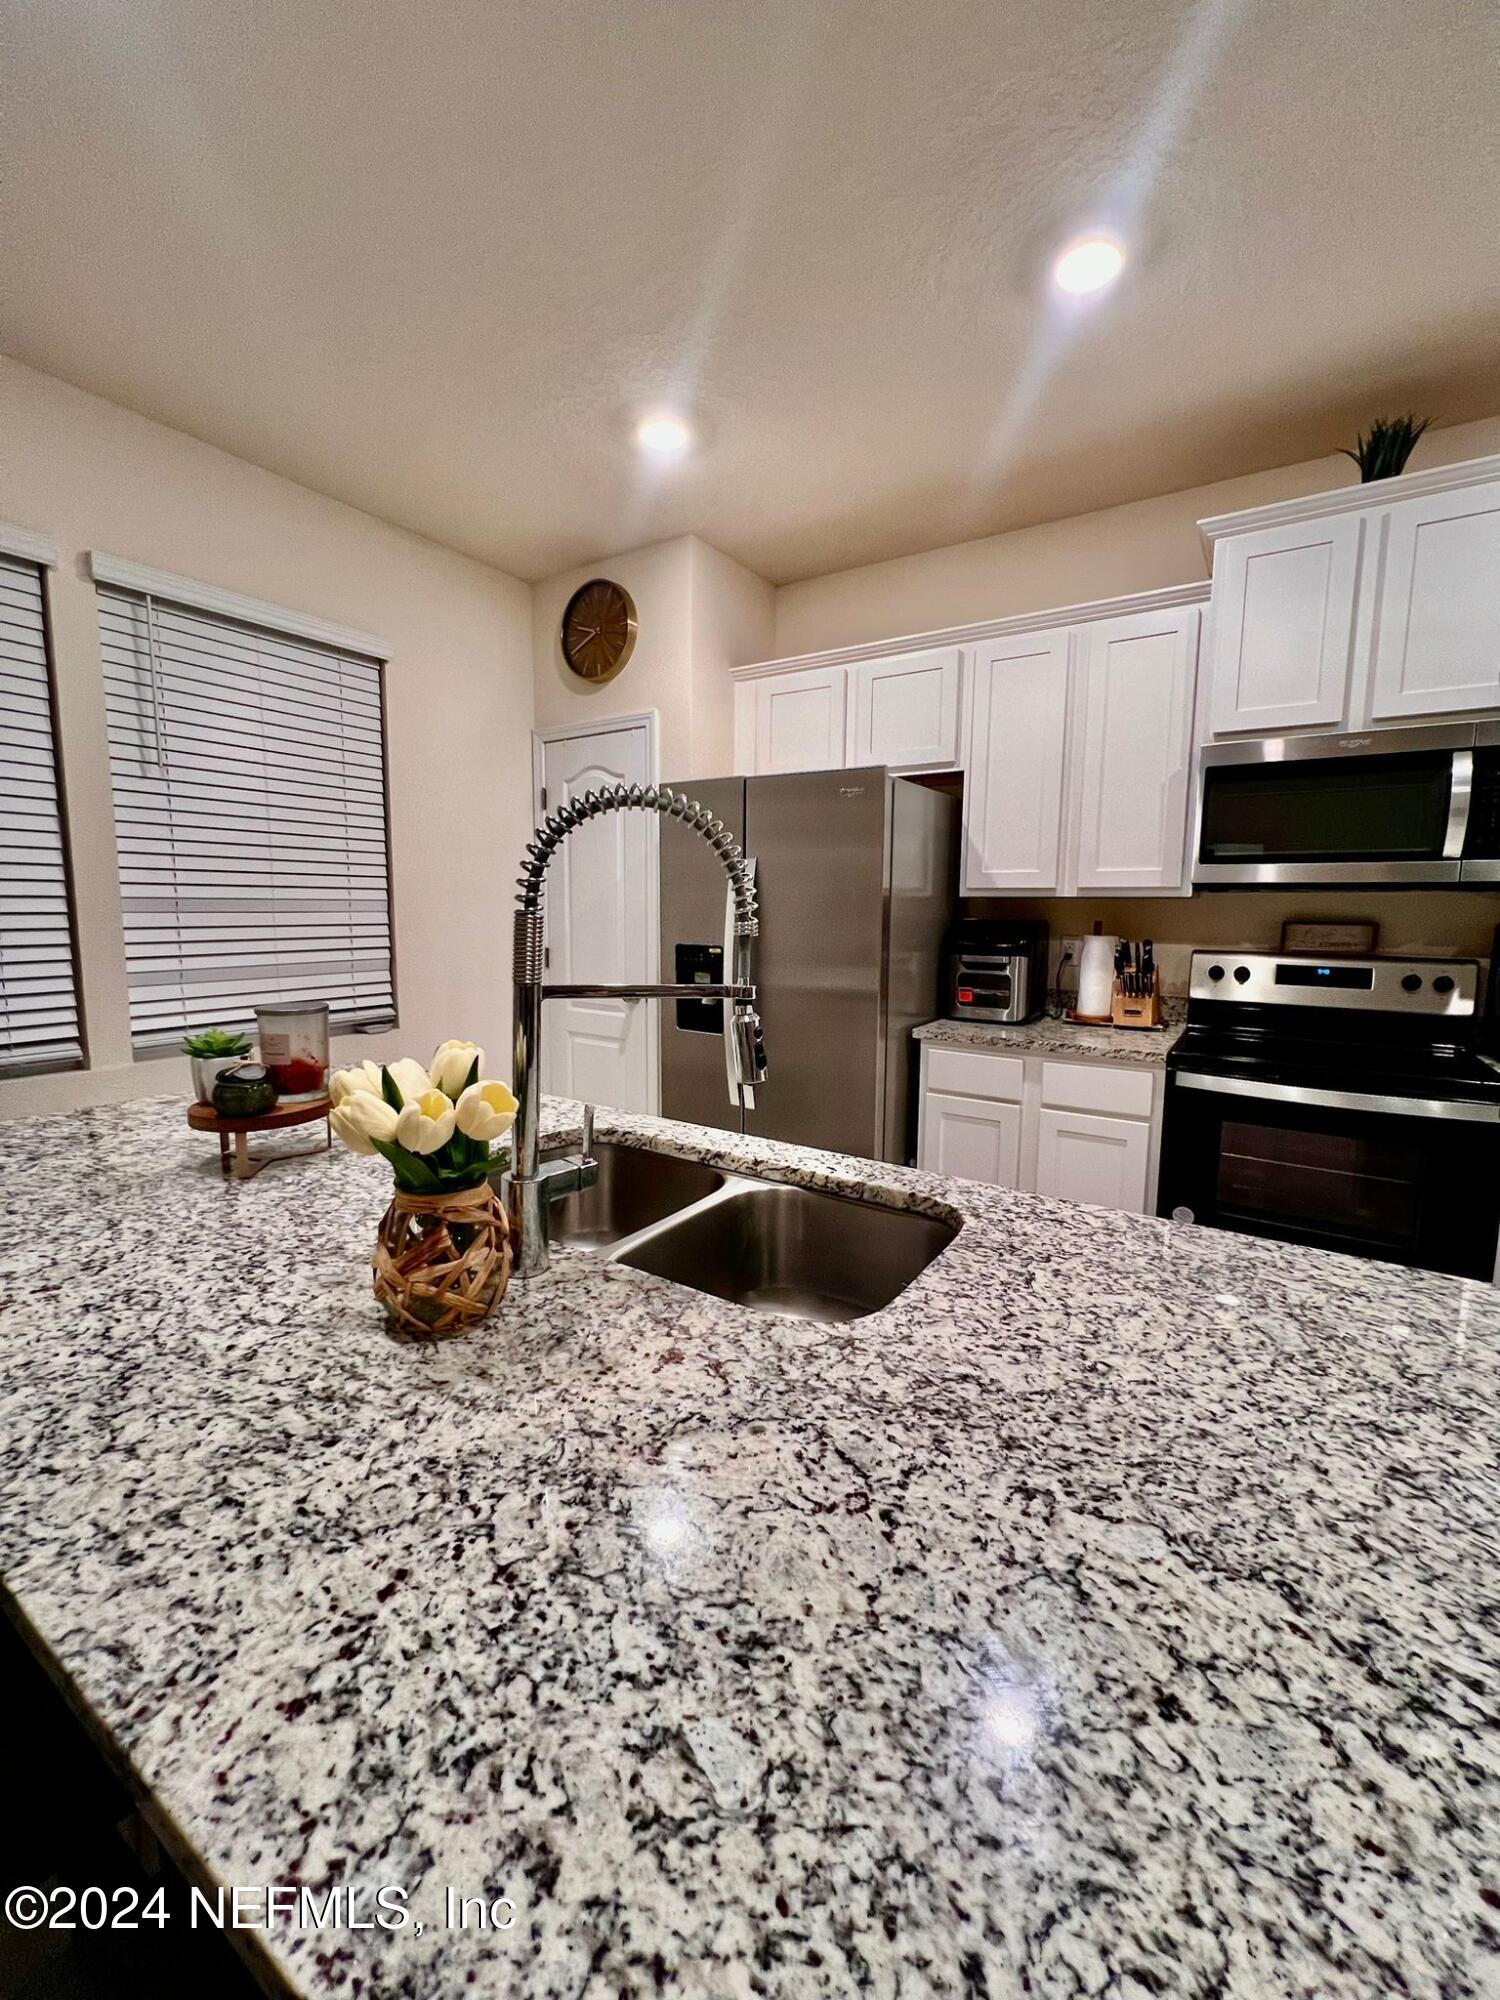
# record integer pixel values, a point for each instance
(1136, 1002)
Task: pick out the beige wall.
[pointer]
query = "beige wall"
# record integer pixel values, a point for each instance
(699, 613)
(657, 674)
(458, 696)
(734, 620)
(1142, 546)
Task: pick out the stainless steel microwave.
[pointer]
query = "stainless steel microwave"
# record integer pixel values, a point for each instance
(1385, 808)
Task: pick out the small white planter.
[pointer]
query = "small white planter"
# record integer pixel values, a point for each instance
(206, 1070)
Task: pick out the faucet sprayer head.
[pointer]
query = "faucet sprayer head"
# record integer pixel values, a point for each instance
(749, 1045)
(558, 825)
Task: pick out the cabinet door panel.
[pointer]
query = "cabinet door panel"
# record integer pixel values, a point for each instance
(1013, 778)
(1137, 738)
(1283, 625)
(976, 1073)
(970, 1138)
(800, 720)
(1437, 635)
(1097, 1086)
(906, 711)
(1085, 1157)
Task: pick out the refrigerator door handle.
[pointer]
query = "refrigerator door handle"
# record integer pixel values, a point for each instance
(741, 1094)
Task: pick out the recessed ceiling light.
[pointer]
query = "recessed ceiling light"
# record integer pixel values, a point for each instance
(1089, 264)
(663, 437)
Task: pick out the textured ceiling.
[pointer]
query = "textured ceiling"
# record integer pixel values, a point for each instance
(434, 256)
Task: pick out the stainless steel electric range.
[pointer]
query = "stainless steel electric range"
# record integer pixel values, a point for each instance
(1337, 1102)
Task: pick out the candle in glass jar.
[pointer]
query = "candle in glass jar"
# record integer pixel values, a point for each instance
(294, 1046)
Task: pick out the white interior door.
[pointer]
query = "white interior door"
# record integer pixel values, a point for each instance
(601, 921)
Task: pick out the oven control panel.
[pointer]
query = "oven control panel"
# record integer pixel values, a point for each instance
(1440, 986)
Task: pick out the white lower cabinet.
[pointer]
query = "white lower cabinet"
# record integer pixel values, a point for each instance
(1081, 1156)
(1079, 1130)
(971, 1139)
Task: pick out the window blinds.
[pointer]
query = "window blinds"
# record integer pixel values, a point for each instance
(38, 997)
(249, 790)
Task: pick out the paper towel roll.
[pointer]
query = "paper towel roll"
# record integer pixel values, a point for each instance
(1096, 976)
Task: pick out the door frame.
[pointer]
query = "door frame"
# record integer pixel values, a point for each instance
(606, 725)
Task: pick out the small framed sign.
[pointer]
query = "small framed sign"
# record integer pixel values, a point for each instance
(1331, 940)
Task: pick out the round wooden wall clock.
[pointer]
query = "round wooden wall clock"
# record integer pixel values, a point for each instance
(598, 630)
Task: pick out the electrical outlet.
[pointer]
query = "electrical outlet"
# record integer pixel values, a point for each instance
(1067, 945)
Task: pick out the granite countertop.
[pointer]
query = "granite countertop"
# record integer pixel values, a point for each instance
(1113, 1614)
(1046, 1037)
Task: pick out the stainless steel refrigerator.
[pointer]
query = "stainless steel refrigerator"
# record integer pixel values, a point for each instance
(856, 872)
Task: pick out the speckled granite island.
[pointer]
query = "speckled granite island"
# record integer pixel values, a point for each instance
(1114, 1614)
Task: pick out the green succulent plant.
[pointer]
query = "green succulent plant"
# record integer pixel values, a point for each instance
(1390, 444)
(216, 1042)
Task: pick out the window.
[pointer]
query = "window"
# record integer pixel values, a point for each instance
(249, 790)
(38, 991)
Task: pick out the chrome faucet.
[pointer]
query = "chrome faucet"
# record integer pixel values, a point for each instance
(531, 1185)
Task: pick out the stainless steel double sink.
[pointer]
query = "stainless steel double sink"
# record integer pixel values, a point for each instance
(762, 1244)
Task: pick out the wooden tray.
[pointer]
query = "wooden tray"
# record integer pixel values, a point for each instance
(281, 1118)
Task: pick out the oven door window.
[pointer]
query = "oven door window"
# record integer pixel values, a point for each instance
(1413, 1190)
(1366, 1189)
(1369, 808)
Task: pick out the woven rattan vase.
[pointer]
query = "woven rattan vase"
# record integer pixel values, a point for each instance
(442, 1261)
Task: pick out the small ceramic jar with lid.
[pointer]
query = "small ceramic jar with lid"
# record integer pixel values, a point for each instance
(248, 1090)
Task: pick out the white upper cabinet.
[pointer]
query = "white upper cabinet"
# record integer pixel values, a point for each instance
(1437, 626)
(1137, 682)
(906, 710)
(1373, 604)
(795, 721)
(1074, 732)
(1014, 764)
(1283, 626)
(901, 711)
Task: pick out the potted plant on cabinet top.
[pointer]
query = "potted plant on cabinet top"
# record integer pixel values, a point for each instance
(212, 1050)
(1384, 452)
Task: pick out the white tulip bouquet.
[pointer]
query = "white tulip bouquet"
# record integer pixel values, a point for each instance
(433, 1125)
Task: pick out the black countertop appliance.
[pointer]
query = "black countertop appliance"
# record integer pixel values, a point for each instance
(995, 969)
